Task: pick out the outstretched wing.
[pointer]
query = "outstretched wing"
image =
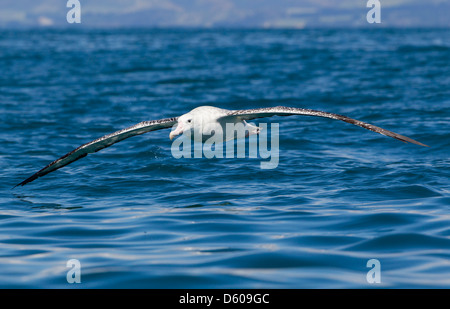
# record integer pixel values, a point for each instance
(249, 114)
(100, 143)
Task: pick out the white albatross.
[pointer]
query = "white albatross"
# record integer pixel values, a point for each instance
(203, 120)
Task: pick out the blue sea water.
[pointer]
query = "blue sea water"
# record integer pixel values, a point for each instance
(136, 217)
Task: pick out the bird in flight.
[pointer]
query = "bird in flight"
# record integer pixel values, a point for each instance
(201, 121)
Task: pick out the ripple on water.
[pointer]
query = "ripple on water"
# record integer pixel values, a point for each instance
(137, 217)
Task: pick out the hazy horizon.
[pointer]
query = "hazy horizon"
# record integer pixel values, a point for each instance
(253, 14)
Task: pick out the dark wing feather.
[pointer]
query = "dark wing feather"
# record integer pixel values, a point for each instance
(100, 143)
(289, 111)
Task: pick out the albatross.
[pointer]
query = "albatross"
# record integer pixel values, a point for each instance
(201, 121)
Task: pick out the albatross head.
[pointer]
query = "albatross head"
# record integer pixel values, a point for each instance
(185, 124)
(200, 120)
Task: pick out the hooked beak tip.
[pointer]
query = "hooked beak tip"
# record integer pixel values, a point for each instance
(176, 132)
(173, 134)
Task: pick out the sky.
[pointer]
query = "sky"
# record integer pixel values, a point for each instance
(225, 13)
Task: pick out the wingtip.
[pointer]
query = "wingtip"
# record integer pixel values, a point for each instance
(29, 179)
(19, 184)
(424, 145)
(406, 139)
(418, 143)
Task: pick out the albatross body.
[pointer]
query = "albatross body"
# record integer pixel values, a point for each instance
(201, 123)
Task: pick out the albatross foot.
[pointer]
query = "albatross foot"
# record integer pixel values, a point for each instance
(251, 129)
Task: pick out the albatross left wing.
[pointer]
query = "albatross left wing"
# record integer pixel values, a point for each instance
(250, 114)
(100, 143)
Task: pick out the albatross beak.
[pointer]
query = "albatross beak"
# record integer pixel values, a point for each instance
(176, 132)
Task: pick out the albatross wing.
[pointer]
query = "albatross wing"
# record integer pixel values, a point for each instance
(100, 143)
(250, 114)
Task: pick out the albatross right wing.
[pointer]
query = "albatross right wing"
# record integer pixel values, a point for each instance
(256, 113)
(102, 142)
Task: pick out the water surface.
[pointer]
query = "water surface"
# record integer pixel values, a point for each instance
(136, 217)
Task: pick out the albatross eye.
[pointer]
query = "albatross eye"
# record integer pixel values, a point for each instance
(189, 120)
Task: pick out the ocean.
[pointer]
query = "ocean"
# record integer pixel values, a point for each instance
(134, 216)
